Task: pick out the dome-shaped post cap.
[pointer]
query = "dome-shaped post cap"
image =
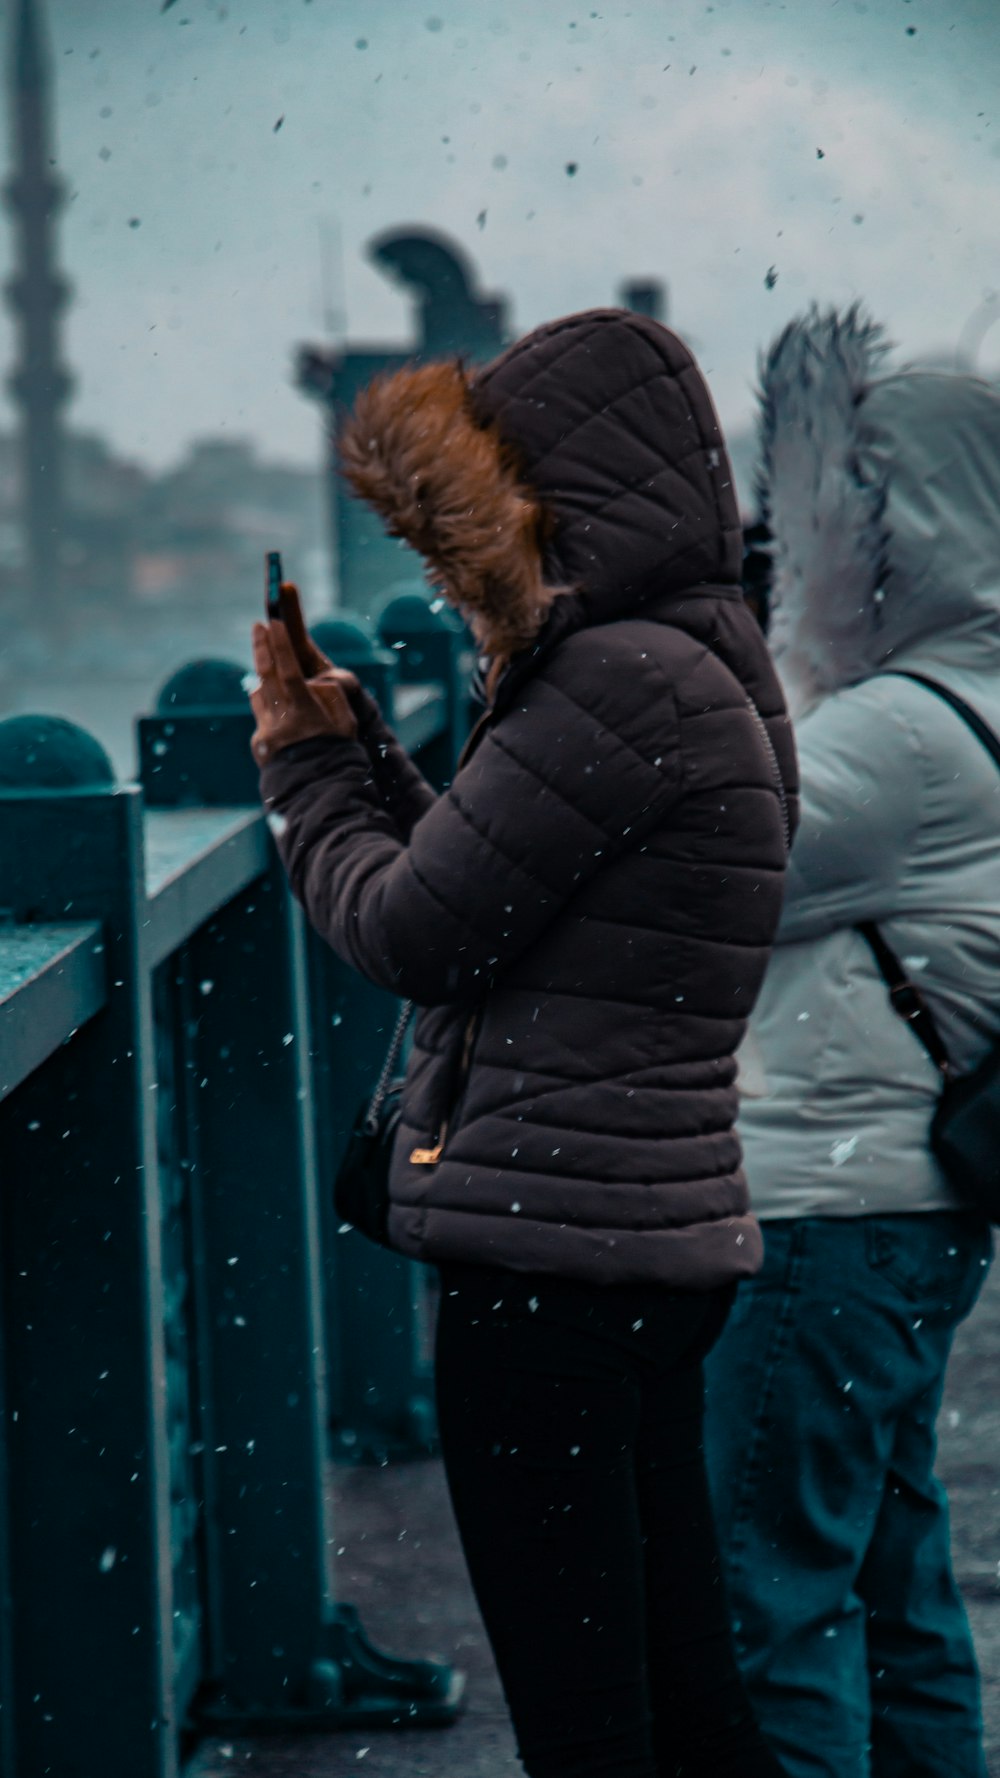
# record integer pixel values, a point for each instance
(204, 685)
(49, 753)
(344, 639)
(410, 614)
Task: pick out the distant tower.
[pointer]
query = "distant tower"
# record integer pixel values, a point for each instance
(646, 296)
(37, 295)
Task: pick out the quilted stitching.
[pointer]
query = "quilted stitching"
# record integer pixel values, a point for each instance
(554, 368)
(608, 922)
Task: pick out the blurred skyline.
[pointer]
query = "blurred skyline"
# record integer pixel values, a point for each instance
(754, 155)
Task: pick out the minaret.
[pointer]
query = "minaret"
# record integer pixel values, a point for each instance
(37, 295)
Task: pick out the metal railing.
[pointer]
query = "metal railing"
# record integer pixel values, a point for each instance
(183, 1322)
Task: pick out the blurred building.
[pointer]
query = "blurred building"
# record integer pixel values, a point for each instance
(206, 524)
(194, 536)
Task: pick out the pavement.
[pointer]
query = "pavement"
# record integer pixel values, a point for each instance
(398, 1561)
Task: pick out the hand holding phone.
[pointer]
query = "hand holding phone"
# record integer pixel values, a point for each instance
(319, 699)
(283, 605)
(289, 707)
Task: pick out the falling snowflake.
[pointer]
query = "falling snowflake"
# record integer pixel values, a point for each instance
(841, 1152)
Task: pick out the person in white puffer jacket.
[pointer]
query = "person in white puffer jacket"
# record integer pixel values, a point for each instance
(882, 494)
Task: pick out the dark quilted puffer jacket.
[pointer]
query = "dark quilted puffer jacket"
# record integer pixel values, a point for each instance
(587, 913)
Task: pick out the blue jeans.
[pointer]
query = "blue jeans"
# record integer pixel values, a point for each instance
(820, 1436)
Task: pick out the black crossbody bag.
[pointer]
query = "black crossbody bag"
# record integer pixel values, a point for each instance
(965, 1130)
(361, 1187)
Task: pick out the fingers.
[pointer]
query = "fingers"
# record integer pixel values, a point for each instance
(260, 741)
(274, 657)
(311, 659)
(288, 707)
(275, 694)
(286, 713)
(286, 661)
(284, 650)
(263, 660)
(291, 612)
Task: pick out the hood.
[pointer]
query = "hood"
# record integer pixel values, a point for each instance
(882, 495)
(586, 460)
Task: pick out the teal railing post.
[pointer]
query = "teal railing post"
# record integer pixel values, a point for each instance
(241, 1007)
(280, 1650)
(195, 749)
(431, 643)
(88, 1465)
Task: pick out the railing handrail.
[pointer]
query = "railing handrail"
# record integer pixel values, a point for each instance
(196, 860)
(52, 981)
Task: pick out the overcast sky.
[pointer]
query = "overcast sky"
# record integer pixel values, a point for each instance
(853, 148)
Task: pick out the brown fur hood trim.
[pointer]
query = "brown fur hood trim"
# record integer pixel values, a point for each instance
(413, 449)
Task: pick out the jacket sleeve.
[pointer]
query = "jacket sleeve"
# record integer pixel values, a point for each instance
(401, 786)
(554, 792)
(862, 770)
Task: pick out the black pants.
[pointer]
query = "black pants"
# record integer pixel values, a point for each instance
(571, 1425)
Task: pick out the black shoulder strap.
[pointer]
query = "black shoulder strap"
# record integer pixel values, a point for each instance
(970, 717)
(906, 998)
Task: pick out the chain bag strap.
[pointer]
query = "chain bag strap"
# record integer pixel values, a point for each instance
(389, 1066)
(361, 1187)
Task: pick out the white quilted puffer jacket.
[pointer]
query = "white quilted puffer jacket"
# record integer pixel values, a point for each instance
(883, 496)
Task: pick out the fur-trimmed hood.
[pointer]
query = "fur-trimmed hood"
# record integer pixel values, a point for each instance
(882, 494)
(584, 465)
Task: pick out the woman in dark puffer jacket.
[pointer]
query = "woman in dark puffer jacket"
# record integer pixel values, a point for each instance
(585, 917)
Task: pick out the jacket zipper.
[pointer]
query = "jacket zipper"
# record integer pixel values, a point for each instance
(429, 1157)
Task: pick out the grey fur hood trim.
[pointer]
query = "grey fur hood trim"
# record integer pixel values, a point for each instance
(882, 494)
(826, 519)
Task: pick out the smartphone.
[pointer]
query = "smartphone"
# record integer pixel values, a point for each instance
(272, 584)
